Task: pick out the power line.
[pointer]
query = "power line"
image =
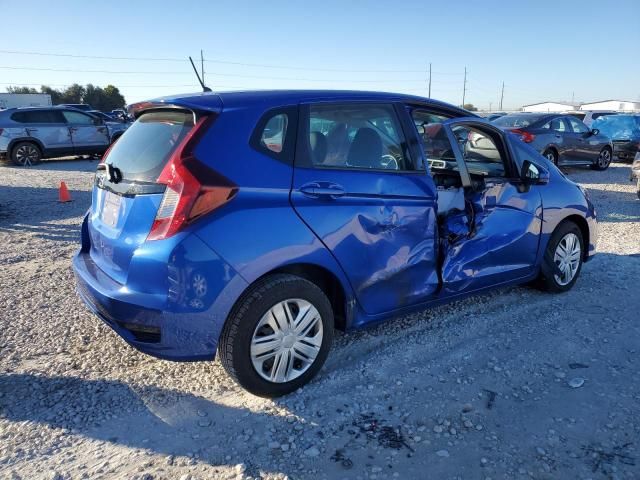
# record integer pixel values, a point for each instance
(262, 77)
(227, 62)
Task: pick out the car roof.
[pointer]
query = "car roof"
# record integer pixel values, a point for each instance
(273, 98)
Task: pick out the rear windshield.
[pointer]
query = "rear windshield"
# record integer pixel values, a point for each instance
(516, 120)
(142, 152)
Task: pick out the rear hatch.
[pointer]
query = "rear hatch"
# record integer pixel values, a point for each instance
(128, 193)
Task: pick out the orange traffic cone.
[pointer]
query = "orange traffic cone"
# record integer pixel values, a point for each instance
(63, 193)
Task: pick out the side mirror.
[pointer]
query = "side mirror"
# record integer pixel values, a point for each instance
(595, 131)
(533, 174)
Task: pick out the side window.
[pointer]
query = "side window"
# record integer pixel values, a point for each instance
(37, 116)
(577, 126)
(362, 136)
(435, 143)
(274, 133)
(557, 124)
(77, 118)
(481, 151)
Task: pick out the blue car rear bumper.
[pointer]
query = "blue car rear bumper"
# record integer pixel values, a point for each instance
(173, 326)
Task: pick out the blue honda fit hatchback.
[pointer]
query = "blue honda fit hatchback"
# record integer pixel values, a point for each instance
(254, 223)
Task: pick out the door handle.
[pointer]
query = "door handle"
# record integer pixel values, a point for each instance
(73, 129)
(558, 135)
(322, 190)
(29, 130)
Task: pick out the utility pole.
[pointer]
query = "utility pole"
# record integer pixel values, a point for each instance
(464, 86)
(573, 97)
(429, 79)
(490, 103)
(202, 65)
(502, 96)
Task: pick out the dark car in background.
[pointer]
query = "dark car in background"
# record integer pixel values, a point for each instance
(563, 139)
(78, 106)
(624, 132)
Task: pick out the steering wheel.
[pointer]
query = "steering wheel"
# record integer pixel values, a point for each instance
(389, 162)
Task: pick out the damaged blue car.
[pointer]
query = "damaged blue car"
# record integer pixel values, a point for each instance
(253, 224)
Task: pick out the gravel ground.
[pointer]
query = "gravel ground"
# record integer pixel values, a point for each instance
(513, 385)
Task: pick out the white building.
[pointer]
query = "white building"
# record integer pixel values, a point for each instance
(550, 107)
(620, 105)
(12, 100)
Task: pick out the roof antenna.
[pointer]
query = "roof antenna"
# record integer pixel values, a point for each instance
(204, 87)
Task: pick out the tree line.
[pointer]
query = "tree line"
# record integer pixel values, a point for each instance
(104, 99)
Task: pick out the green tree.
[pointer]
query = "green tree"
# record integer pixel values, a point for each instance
(113, 98)
(72, 94)
(470, 107)
(55, 94)
(12, 89)
(105, 99)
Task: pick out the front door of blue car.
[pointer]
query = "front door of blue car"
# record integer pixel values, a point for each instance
(364, 192)
(495, 238)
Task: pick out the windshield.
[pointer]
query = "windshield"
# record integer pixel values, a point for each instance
(144, 149)
(618, 126)
(516, 120)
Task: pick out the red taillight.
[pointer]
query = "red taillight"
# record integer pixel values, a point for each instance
(193, 189)
(526, 137)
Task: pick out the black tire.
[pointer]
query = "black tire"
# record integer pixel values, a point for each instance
(234, 347)
(638, 188)
(26, 154)
(603, 161)
(547, 279)
(551, 155)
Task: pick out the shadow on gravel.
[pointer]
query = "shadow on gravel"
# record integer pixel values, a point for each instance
(37, 210)
(167, 422)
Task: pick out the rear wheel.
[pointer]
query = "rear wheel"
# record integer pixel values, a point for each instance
(26, 154)
(562, 260)
(278, 335)
(603, 161)
(551, 155)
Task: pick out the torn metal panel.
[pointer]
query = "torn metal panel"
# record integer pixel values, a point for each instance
(501, 244)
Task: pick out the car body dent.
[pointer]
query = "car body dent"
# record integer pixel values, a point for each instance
(263, 230)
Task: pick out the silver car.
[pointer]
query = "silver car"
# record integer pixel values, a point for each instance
(27, 135)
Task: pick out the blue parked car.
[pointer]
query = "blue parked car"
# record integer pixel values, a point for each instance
(254, 223)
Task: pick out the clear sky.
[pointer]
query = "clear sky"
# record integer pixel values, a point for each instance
(542, 50)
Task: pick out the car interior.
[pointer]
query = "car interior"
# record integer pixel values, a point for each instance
(357, 137)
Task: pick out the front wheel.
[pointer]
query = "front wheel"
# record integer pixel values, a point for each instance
(278, 335)
(603, 161)
(562, 260)
(26, 154)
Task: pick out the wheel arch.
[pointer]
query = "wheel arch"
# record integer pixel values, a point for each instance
(324, 279)
(582, 224)
(37, 142)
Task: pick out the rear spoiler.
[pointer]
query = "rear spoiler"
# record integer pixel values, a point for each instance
(203, 103)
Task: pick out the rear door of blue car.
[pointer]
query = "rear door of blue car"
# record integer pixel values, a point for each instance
(363, 189)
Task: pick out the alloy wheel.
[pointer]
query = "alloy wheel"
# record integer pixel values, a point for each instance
(567, 258)
(604, 159)
(27, 155)
(287, 340)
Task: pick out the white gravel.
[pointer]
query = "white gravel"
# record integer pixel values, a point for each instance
(478, 389)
